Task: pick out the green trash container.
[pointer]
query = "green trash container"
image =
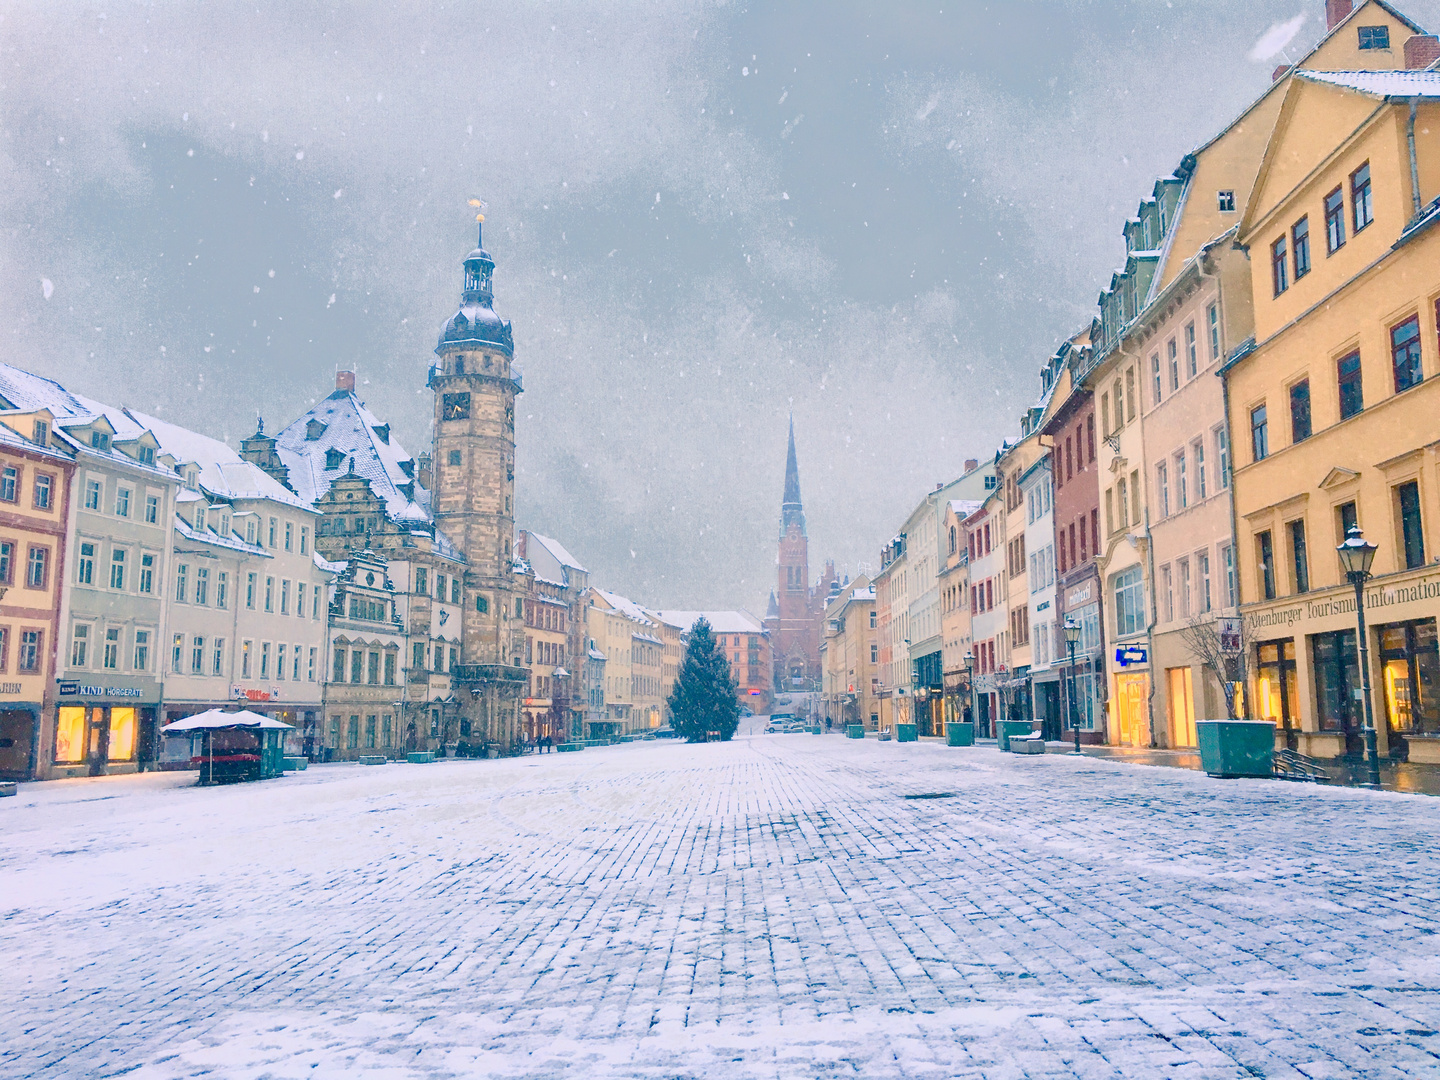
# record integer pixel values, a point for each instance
(855, 731)
(959, 734)
(906, 733)
(1231, 748)
(1005, 728)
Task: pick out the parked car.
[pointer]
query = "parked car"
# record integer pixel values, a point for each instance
(666, 732)
(779, 722)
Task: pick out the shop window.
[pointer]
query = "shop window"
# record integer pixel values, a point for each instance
(1182, 706)
(1277, 692)
(1411, 676)
(1412, 536)
(1337, 673)
(1405, 353)
(70, 734)
(1352, 397)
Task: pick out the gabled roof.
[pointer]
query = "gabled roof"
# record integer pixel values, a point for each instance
(351, 430)
(625, 606)
(722, 622)
(222, 470)
(1405, 85)
(558, 552)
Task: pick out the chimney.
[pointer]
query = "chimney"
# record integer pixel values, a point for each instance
(1421, 51)
(1278, 72)
(1336, 12)
(345, 381)
(971, 464)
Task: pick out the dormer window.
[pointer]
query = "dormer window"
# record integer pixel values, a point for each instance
(1226, 200)
(42, 433)
(314, 429)
(99, 440)
(382, 432)
(1374, 37)
(147, 455)
(191, 477)
(333, 458)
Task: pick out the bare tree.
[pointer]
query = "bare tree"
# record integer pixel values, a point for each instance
(1202, 638)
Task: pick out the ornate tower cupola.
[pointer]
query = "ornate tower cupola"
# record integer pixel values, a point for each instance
(473, 479)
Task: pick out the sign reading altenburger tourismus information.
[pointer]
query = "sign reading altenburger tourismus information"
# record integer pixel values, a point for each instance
(1376, 600)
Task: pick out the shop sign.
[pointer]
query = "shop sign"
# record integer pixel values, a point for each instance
(9, 688)
(1078, 595)
(1376, 599)
(257, 695)
(78, 689)
(1230, 636)
(1125, 655)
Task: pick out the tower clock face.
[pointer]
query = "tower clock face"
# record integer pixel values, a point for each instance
(455, 407)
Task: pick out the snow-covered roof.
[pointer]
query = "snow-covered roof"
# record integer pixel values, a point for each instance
(626, 607)
(10, 437)
(557, 550)
(26, 391)
(208, 535)
(342, 423)
(963, 508)
(1385, 84)
(222, 470)
(722, 622)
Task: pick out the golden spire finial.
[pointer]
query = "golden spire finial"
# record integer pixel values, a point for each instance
(479, 204)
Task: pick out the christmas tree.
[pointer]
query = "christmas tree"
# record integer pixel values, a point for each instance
(703, 704)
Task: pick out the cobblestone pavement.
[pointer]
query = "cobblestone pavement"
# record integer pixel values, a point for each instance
(780, 906)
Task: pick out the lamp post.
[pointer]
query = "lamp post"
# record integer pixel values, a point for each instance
(914, 688)
(1356, 557)
(970, 683)
(1072, 638)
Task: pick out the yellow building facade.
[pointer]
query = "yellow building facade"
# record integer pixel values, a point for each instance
(1332, 411)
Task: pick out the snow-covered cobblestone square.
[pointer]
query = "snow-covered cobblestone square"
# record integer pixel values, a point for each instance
(773, 907)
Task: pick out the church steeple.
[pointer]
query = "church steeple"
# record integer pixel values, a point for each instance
(792, 511)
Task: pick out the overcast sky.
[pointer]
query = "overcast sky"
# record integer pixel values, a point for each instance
(882, 216)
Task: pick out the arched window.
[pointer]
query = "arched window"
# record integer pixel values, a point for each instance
(952, 539)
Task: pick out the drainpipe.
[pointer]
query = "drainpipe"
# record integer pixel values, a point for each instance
(1414, 166)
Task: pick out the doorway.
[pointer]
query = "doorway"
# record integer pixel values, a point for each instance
(1182, 706)
(17, 740)
(1131, 692)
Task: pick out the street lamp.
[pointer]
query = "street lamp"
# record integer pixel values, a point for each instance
(969, 661)
(1356, 557)
(914, 689)
(1072, 638)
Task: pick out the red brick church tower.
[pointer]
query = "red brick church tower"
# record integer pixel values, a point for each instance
(797, 609)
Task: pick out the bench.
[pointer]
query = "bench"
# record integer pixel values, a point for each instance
(372, 759)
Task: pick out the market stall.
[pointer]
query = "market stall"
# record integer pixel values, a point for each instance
(230, 747)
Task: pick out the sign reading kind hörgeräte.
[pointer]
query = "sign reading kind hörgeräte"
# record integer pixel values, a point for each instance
(77, 689)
